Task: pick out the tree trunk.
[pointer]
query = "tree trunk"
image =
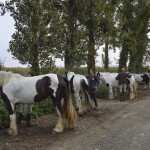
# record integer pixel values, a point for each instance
(91, 49)
(69, 53)
(123, 57)
(91, 42)
(136, 60)
(106, 60)
(35, 62)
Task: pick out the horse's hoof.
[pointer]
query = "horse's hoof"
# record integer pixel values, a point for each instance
(72, 126)
(56, 131)
(77, 109)
(96, 107)
(32, 125)
(80, 114)
(12, 133)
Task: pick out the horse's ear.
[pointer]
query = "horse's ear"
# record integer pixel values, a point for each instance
(66, 73)
(98, 74)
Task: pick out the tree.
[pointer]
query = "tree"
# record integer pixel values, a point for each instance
(71, 34)
(140, 30)
(133, 33)
(2, 9)
(32, 39)
(108, 31)
(96, 16)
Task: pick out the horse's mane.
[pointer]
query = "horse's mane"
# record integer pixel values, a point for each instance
(10, 73)
(6, 75)
(70, 74)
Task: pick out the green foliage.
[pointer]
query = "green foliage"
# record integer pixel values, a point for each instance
(74, 30)
(42, 108)
(4, 117)
(133, 33)
(102, 91)
(2, 9)
(31, 43)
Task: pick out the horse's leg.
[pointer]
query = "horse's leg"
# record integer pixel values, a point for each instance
(131, 92)
(90, 99)
(84, 103)
(13, 126)
(145, 86)
(20, 116)
(11, 110)
(28, 115)
(111, 95)
(79, 103)
(59, 128)
(115, 92)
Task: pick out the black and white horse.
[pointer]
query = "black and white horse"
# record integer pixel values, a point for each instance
(143, 78)
(79, 85)
(110, 80)
(28, 90)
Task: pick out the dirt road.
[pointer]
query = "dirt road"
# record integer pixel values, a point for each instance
(114, 126)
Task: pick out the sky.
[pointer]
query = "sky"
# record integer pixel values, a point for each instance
(7, 29)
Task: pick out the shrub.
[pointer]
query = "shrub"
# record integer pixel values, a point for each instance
(4, 116)
(102, 91)
(42, 108)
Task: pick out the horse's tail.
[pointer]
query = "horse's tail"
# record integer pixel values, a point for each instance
(86, 91)
(69, 110)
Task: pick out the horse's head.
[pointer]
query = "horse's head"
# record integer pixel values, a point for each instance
(138, 77)
(100, 77)
(145, 78)
(69, 75)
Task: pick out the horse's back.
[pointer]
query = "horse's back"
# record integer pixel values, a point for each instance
(110, 78)
(77, 81)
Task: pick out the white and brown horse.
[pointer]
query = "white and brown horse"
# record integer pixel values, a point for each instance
(28, 90)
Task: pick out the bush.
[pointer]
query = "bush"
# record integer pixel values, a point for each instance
(42, 108)
(102, 91)
(4, 116)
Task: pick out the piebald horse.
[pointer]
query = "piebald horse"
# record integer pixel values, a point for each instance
(79, 85)
(16, 88)
(110, 80)
(143, 78)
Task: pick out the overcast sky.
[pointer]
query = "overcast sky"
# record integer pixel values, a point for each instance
(7, 29)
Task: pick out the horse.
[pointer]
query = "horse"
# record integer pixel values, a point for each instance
(79, 84)
(16, 88)
(143, 78)
(110, 80)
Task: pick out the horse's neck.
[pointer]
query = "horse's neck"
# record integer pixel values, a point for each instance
(104, 77)
(6, 77)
